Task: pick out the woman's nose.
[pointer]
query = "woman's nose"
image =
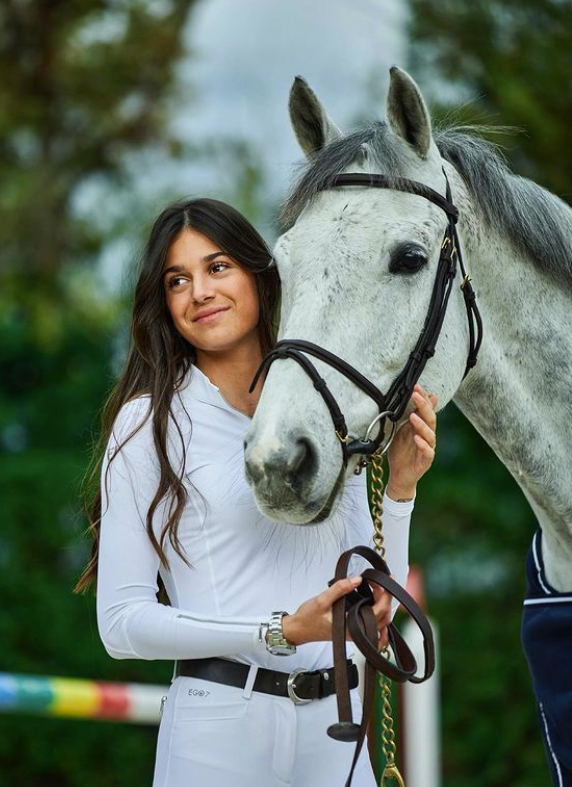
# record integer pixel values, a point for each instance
(203, 289)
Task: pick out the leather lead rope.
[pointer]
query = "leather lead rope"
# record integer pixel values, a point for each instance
(353, 613)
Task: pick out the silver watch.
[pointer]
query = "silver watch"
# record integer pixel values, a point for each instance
(276, 643)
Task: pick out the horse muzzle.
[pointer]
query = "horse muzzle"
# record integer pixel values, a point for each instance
(283, 475)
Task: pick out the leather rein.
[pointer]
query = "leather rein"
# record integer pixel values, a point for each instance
(393, 403)
(354, 613)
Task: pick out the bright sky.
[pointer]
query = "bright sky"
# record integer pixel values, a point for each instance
(242, 57)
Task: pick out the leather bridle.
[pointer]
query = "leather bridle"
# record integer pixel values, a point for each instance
(393, 403)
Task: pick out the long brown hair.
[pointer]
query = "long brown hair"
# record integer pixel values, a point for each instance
(159, 358)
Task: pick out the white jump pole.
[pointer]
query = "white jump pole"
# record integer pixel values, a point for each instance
(421, 738)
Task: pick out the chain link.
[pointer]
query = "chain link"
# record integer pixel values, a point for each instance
(388, 746)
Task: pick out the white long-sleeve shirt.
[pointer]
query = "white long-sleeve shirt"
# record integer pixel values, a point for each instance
(243, 565)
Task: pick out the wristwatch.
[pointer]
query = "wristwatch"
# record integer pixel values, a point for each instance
(276, 642)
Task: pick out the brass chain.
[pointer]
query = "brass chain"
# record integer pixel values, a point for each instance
(377, 502)
(391, 772)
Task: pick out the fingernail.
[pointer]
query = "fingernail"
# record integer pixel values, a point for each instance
(355, 580)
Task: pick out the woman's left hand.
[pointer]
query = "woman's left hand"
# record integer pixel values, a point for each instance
(413, 448)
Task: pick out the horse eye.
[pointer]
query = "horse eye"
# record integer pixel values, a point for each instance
(407, 259)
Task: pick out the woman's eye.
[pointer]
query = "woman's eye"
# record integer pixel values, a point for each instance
(175, 282)
(218, 267)
(407, 260)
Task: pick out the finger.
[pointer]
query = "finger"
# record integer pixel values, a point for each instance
(418, 387)
(427, 451)
(423, 429)
(383, 639)
(382, 612)
(422, 400)
(381, 607)
(340, 588)
(432, 398)
(424, 406)
(382, 618)
(379, 593)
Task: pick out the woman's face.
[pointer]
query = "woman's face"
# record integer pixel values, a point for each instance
(213, 300)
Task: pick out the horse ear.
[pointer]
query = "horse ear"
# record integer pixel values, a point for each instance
(407, 113)
(312, 125)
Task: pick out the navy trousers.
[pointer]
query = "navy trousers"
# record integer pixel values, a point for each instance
(547, 643)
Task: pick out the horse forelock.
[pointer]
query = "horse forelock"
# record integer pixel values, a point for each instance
(537, 222)
(375, 143)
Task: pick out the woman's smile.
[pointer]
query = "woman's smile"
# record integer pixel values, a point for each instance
(209, 315)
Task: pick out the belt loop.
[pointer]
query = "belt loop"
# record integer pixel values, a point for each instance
(248, 686)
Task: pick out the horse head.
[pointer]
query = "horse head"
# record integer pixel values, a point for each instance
(357, 267)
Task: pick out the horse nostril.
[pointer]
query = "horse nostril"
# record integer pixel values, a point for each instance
(293, 463)
(302, 462)
(254, 472)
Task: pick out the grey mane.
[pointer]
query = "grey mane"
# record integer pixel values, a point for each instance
(538, 223)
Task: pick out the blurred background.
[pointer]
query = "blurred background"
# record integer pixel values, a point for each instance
(108, 110)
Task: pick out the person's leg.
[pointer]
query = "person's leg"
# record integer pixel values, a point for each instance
(320, 760)
(164, 739)
(212, 736)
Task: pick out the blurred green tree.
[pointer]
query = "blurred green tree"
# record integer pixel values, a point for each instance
(511, 60)
(84, 83)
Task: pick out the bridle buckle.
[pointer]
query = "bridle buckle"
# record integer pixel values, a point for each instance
(291, 687)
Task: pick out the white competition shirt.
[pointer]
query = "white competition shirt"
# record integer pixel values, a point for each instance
(243, 565)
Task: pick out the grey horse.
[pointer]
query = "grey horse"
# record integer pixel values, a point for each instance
(357, 267)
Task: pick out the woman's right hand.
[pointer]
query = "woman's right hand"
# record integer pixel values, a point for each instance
(312, 621)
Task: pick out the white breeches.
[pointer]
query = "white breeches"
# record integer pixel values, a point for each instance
(212, 735)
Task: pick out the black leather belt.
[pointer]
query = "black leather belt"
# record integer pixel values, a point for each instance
(301, 685)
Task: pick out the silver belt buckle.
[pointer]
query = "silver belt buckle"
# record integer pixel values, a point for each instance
(291, 687)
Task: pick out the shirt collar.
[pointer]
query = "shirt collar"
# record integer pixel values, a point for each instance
(199, 387)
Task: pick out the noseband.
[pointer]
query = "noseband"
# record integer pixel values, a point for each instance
(393, 403)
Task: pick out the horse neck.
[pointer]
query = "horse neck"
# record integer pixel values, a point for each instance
(518, 395)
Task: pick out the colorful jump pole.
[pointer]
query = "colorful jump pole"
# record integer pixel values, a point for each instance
(85, 699)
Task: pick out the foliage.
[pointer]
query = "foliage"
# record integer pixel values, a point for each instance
(83, 83)
(48, 402)
(512, 60)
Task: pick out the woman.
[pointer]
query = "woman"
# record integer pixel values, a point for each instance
(174, 503)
